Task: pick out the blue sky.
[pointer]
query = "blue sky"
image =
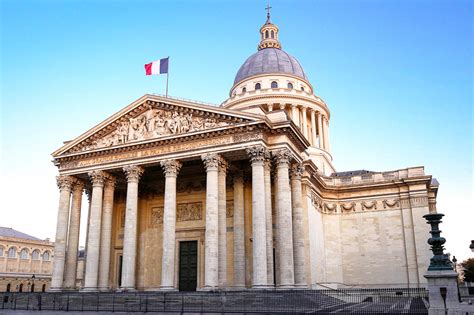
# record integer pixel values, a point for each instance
(396, 75)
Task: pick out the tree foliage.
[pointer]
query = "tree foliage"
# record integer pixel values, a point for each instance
(468, 267)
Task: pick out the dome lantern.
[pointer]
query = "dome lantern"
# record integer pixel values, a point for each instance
(269, 34)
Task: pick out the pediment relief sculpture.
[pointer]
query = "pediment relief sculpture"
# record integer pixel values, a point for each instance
(152, 123)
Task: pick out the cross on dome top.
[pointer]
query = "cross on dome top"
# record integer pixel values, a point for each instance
(269, 33)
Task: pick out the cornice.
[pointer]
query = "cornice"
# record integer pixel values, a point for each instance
(269, 75)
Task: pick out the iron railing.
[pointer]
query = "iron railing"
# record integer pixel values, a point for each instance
(360, 301)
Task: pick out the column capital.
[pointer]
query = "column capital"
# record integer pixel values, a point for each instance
(110, 181)
(223, 165)
(65, 182)
(282, 106)
(257, 153)
(282, 156)
(98, 177)
(304, 108)
(296, 171)
(171, 167)
(133, 172)
(210, 160)
(78, 185)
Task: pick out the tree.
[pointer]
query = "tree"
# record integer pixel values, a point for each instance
(468, 268)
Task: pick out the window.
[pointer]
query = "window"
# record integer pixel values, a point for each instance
(35, 255)
(290, 85)
(1, 251)
(20, 288)
(273, 34)
(46, 256)
(266, 34)
(302, 88)
(24, 254)
(9, 287)
(274, 85)
(244, 90)
(43, 288)
(258, 86)
(12, 252)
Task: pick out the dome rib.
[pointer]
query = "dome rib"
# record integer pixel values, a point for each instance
(269, 60)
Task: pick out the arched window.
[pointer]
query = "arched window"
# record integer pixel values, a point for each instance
(12, 252)
(32, 288)
(302, 88)
(244, 90)
(43, 288)
(273, 34)
(9, 287)
(20, 288)
(258, 86)
(24, 254)
(266, 34)
(35, 255)
(274, 85)
(46, 255)
(1, 251)
(290, 85)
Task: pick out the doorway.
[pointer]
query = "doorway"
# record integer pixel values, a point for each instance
(187, 266)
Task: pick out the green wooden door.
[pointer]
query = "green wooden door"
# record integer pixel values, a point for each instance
(188, 266)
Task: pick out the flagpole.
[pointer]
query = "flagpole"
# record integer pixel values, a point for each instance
(167, 76)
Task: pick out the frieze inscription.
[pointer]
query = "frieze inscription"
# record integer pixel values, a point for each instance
(184, 212)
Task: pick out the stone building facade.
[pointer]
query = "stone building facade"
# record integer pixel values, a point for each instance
(25, 262)
(188, 196)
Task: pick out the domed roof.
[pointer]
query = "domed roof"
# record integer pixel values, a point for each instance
(269, 60)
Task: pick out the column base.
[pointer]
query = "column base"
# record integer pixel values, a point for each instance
(285, 286)
(301, 286)
(237, 288)
(261, 287)
(209, 288)
(167, 288)
(55, 289)
(89, 289)
(126, 289)
(104, 289)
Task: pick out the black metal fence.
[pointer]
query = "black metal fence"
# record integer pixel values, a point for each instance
(360, 301)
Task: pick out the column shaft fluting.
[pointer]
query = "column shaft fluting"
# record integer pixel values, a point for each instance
(133, 174)
(298, 235)
(239, 234)
(73, 236)
(269, 221)
(93, 239)
(284, 221)
(171, 169)
(304, 124)
(320, 131)
(106, 234)
(211, 265)
(314, 139)
(65, 186)
(259, 230)
(222, 223)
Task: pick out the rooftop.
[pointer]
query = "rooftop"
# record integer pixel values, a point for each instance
(9, 232)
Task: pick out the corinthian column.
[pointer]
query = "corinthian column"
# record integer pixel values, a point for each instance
(222, 223)
(93, 238)
(313, 129)
(239, 238)
(65, 187)
(304, 124)
(171, 169)
(133, 174)
(320, 131)
(284, 220)
(106, 233)
(73, 235)
(298, 240)
(268, 218)
(295, 115)
(259, 243)
(211, 265)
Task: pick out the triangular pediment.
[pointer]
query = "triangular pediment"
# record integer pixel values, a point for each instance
(152, 118)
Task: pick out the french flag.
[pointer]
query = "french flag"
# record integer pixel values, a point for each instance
(157, 67)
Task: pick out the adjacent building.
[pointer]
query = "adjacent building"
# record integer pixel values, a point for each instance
(25, 262)
(190, 196)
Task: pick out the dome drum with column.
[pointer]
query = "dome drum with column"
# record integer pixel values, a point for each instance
(270, 80)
